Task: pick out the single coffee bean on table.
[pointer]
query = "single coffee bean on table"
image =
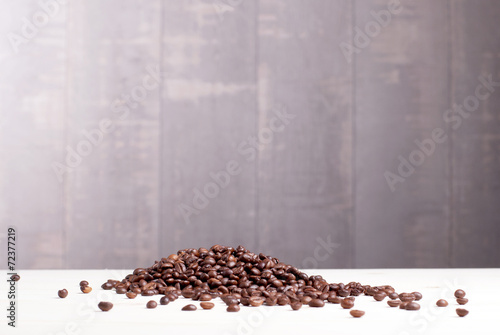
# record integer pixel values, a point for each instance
(462, 301)
(393, 296)
(151, 304)
(413, 306)
(462, 312)
(296, 305)
(131, 295)
(356, 313)
(347, 304)
(233, 308)
(164, 300)
(189, 307)
(105, 306)
(62, 293)
(316, 303)
(442, 303)
(380, 296)
(84, 283)
(85, 289)
(207, 305)
(459, 293)
(121, 290)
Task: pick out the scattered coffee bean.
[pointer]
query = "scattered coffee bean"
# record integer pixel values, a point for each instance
(84, 283)
(462, 301)
(164, 300)
(86, 289)
(462, 312)
(394, 303)
(403, 304)
(105, 306)
(296, 305)
(347, 304)
(151, 304)
(316, 303)
(413, 306)
(121, 290)
(459, 293)
(380, 296)
(233, 308)
(131, 295)
(393, 296)
(357, 313)
(207, 305)
(62, 293)
(107, 286)
(15, 277)
(417, 295)
(442, 303)
(189, 307)
(205, 297)
(335, 300)
(255, 301)
(406, 297)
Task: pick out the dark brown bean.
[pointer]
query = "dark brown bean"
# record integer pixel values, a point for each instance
(62, 293)
(357, 313)
(394, 303)
(84, 283)
(15, 277)
(107, 286)
(131, 295)
(462, 312)
(417, 295)
(316, 303)
(151, 304)
(121, 290)
(207, 305)
(380, 296)
(459, 293)
(347, 304)
(189, 307)
(393, 296)
(335, 300)
(105, 306)
(296, 305)
(145, 293)
(403, 304)
(205, 297)
(442, 303)
(233, 308)
(164, 300)
(255, 301)
(413, 306)
(86, 289)
(462, 301)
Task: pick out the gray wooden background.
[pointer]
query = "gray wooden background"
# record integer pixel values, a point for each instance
(313, 194)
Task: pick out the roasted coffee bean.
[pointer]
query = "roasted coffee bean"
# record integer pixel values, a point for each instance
(380, 296)
(316, 303)
(121, 290)
(406, 297)
(283, 300)
(151, 304)
(412, 306)
(255, 301)
(62, 293)
(131, 295)
(305, 299)
(107, 286)
(84, 283)
(207, 305)
(15, 277)
(459, 293)
(347, 304)
(164, 300)
(417, 295)
(271, 301)
(462, 312)
(205, 297)
(356, 313)
(335, 300)
(189, 307)
(442, 303)
(145, 293)
(394, 303)
(403, 304)
(343, 292)
(462, 301)
(393, 296)
(233, 308)
(86, 289)
(105, 306)
(296, 305)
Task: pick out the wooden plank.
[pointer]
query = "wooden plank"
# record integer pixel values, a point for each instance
(112, 194)
(32, 110)
(476, 139)
(305, 181)
(208, 109)
(401, 95)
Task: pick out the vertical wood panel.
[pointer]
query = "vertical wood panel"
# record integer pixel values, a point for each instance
(32, 91)
(208, 109)
(305, 181)
(112, 196)
(401, 95)
(476, 141)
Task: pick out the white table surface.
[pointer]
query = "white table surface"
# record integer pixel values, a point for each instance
(40, 311)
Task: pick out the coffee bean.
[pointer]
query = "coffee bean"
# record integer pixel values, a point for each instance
(15, 277)
(86, 289)
(151, 304)
(164, 300)
(306, 299)
(145, 293)
(107, 286)
(255, 301)
(105, 306)
(189, 307)
(417, 295)
(462, 312)
(357, 313)
(403, 304)
(335, 300)
(271, 301)
(380, 296)
(205, 297)
(393, 303)
(207, 305)
(442, 303)
(131, 295)
(462, 301)
(62, 293)
(347, 304)
(406, 297)
(84, 283)
(393, 296)
(459, 293)
(121, 290)
(413, 306)
(296, 305)
(316, 303)
(233, 308)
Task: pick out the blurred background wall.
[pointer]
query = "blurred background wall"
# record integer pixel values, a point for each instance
(328, 133)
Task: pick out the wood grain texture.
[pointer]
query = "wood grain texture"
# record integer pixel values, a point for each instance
(208, 109)
(401, 95)
(112, 195)
(32, 98)
(476, 139)
(305, 172)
